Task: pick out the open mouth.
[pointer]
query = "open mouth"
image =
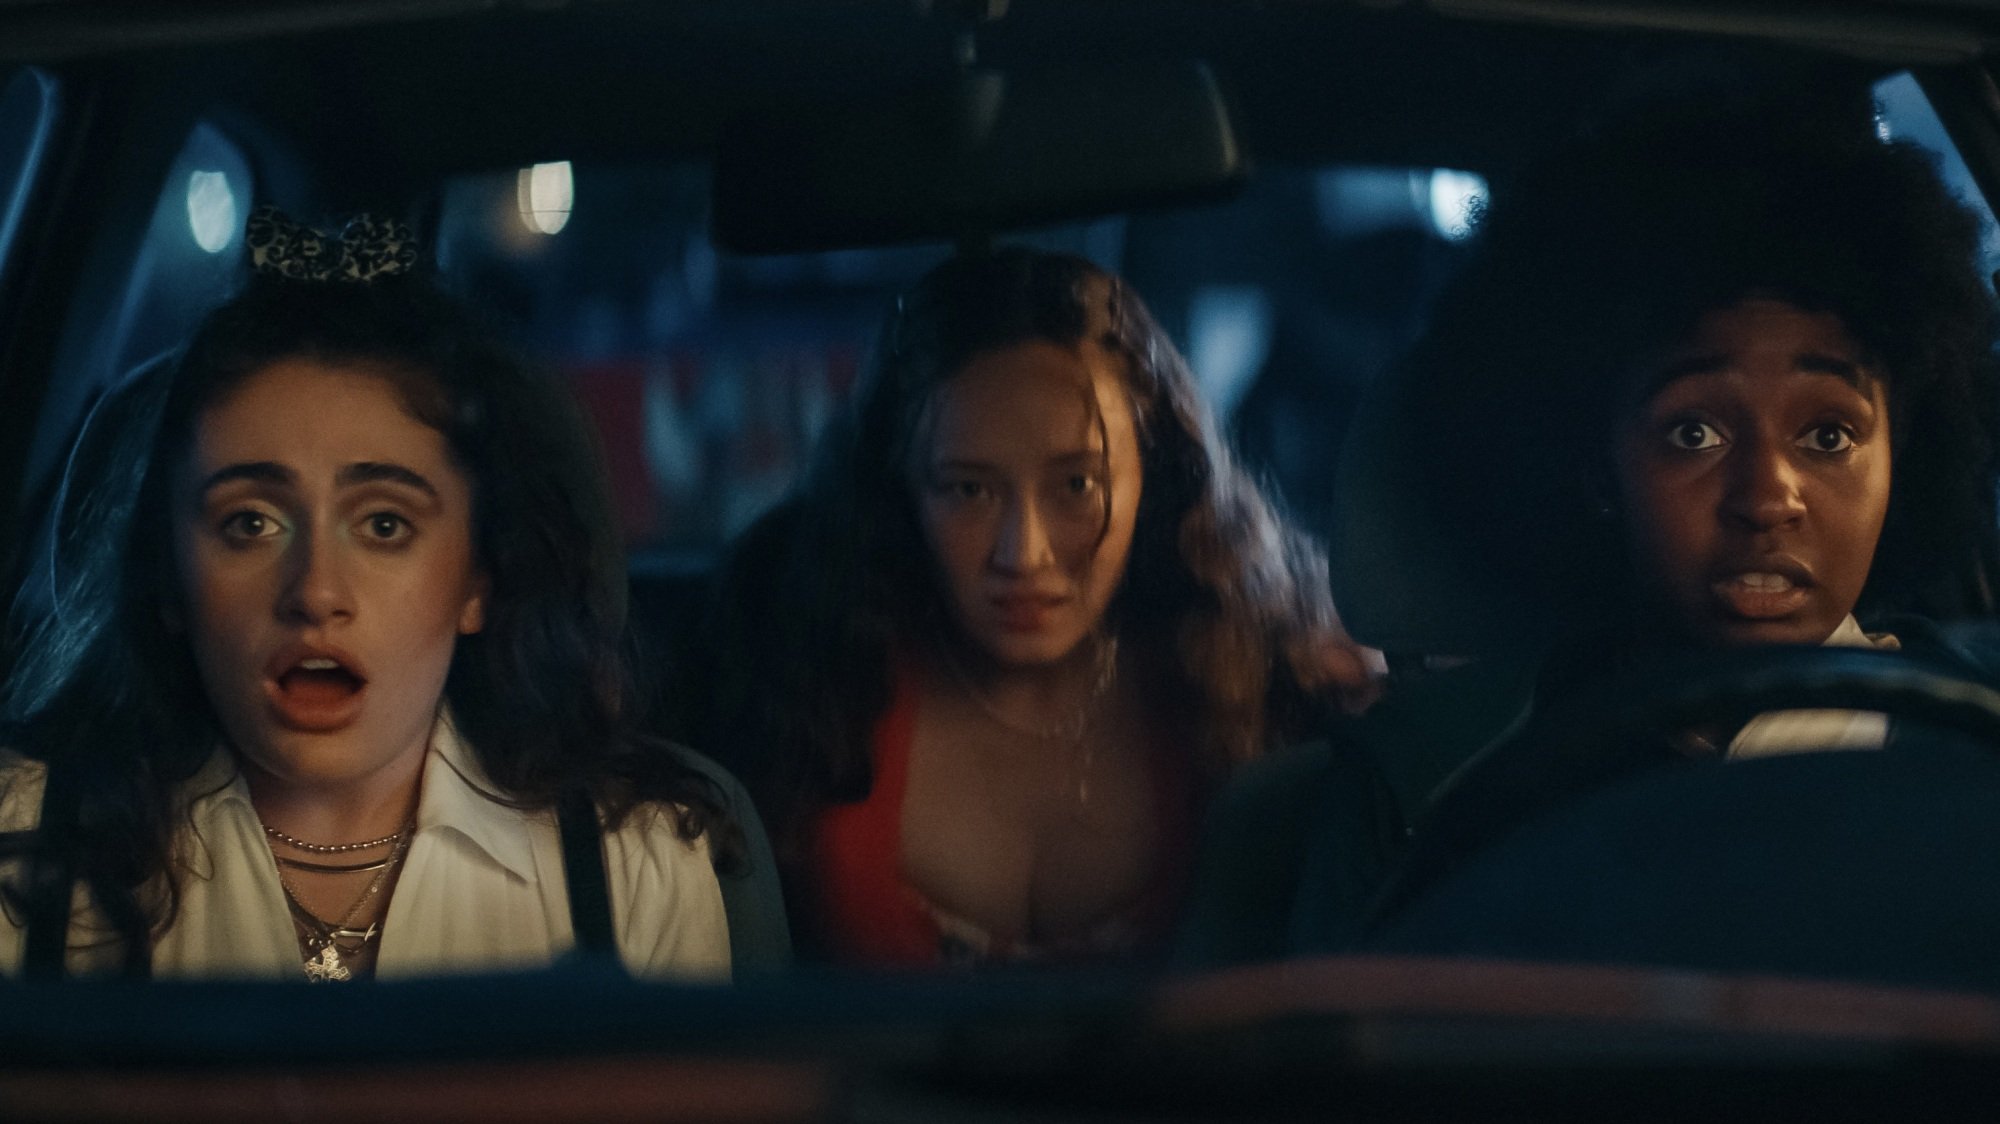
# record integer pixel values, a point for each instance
(1760, 595)
(319, 680)
(315, 692)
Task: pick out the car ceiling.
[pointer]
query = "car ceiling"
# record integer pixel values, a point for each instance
(399, 92)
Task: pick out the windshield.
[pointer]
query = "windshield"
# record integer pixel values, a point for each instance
(1172, 620)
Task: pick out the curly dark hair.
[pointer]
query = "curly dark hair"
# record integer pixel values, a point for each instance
(1221, 597)
(1618, 244)
(108, 691)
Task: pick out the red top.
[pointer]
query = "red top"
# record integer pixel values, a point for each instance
(868, 913)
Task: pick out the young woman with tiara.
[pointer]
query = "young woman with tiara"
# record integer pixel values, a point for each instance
(330, 686)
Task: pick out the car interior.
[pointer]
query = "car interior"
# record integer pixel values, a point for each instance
(695, 211)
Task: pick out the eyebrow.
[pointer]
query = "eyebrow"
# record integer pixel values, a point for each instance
(370, 472)
(360, 472)
(961, 464)
(259, 472)
(1809, 362)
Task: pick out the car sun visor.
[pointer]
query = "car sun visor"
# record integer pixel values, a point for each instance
(986, 150)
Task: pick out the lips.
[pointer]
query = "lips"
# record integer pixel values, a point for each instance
(314, 688)
(1763, 589)
(1026, 612)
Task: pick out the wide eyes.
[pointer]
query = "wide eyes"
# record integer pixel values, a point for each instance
(1827, 438)
(386, 527)
(1693, 435)
(249, 525)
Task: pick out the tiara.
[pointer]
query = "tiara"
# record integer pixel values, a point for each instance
(367, 247)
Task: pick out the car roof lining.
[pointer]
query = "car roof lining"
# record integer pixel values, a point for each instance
(43, 30)
(388, 108)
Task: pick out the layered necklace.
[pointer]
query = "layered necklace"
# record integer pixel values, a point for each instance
(329, 948)
(1071, 729)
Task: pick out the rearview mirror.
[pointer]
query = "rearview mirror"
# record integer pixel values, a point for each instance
(984, 151)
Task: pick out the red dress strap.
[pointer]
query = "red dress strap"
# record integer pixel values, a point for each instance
(868, 913)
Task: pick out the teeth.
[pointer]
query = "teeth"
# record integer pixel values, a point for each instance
(1765, 583)
(318, 663)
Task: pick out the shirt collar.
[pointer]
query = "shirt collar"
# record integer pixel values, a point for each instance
(456, 796)
(1850, 635)
(218, 782)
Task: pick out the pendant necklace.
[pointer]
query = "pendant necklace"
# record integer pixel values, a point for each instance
(327, 946)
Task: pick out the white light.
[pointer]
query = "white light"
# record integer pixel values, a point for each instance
(1455, 197)
(545, 194)
(211, 211)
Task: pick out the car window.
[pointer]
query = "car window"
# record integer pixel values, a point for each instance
(188, 257)
(27, 102)
(710, 373)
(1904, 112)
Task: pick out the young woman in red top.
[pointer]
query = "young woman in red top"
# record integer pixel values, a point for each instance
(1024, 615)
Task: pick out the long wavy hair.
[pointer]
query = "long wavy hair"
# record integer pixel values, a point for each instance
(107, 692)
(1221, 599)
(1616, 246)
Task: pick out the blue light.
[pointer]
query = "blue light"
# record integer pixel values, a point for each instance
(1229, 339)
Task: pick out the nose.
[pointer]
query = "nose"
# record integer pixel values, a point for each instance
(317, 588)
(1023, 545)
(1765, 487)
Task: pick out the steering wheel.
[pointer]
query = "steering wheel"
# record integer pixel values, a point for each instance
(1603, 746)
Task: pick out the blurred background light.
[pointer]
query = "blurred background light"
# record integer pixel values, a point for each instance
(211, 208)
(1455, 200)
(546, 192)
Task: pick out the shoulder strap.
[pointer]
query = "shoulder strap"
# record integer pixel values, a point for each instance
(52, 877)
(51, 880)
(583, 867)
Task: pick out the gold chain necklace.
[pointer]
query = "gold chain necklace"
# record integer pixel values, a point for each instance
(1072, 732)
(325, 945)
(331, 868)
(333, 848)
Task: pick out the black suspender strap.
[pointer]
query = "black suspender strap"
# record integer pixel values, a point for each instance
(51, 878)
(583, 867)
(136, 961)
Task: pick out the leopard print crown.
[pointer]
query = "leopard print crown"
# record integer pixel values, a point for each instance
(366, 248)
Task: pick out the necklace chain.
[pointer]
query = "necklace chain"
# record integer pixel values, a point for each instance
(324, 943)
(334, 848)
(1071, 733)
(1077, 724)
(332, 868)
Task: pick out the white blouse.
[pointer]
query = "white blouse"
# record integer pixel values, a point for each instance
(482, 888)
